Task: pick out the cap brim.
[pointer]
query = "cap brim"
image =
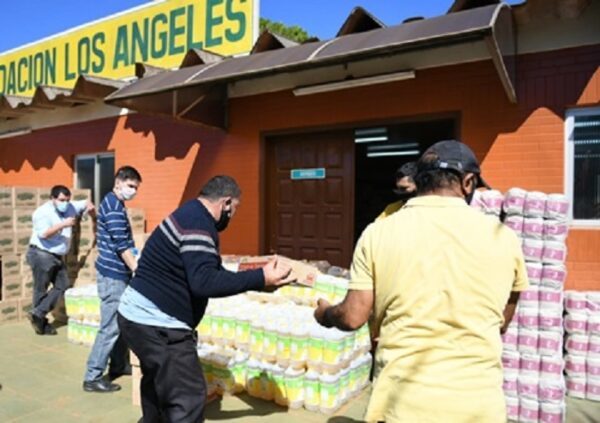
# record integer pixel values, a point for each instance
(481, 183)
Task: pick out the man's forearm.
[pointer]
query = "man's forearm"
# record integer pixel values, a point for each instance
(129, 260)
(335, 317)
(52, 230)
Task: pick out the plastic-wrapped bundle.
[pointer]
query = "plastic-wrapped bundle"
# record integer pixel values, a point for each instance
(512, 408)
(555, 230)
(576, 323)
(577, 345)
(576, 386)
(552, 412)
(535, 204)
(533, 249)
(515, 222)
(492, 201)
(529, 411)
(557, 207)
(533, 227)
(552, 367)
(534, 272)
(554, 252)
(550, 343)
(553, 275)
(514, 201)
(550, 299)
(575, 301)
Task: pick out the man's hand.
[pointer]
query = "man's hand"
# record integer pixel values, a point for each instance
(89, 207)
(69, 221)
(322, 306)
(276, 274)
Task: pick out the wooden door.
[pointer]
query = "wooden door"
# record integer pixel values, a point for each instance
(310, 218)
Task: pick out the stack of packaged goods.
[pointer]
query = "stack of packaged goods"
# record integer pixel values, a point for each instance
(582, 324)
(83, 308)
(273, 348)
(330, 288)
(533, 363)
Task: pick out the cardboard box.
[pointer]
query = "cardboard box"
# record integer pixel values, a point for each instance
(137, 220)
(7, 242)
(22, 239)
(302, 273)
(250, 263)
(10, 265)
(25, 305)
(23, 219)
(78, 194)
(25, 197)
(9, 311)
(43, 195)
(7, 219)
(6, 197)
(136, 379)
(12, 288)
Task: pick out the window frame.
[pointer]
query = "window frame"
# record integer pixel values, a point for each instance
(96, 157)
(569, 176)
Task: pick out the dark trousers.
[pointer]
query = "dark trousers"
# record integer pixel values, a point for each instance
(173, 388)
(47, 269)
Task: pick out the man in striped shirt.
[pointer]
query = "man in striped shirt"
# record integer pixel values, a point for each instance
(114, 266)
(179, 270)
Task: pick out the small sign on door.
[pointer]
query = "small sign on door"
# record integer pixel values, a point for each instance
(299, 174)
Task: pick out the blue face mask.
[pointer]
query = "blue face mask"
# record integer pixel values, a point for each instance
(62, 206)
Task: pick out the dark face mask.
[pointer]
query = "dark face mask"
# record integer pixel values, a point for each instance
(223, 221)
(404, 194)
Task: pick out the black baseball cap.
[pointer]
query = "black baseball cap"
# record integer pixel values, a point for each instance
(453, 155)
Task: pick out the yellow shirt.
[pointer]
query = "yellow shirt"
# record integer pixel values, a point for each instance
(442, 273)
(391, 209)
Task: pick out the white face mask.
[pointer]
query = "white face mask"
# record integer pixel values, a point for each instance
(62, 206)
(128, 193)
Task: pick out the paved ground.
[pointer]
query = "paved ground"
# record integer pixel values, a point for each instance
(42, 376)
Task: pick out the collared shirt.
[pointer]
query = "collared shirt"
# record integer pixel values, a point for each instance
(47, 216)
(442, 274)
(391, 209)
(139, 309)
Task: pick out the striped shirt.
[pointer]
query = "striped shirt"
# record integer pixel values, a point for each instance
(113, 237)
(180, 268)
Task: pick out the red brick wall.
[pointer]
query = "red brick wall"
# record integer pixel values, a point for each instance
(519, 145)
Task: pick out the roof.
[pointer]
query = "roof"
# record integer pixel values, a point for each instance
(404, 41)
(87, 89)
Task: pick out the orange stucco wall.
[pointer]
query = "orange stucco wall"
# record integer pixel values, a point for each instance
(519, 145)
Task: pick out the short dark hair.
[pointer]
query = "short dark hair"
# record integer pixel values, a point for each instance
(128, 172)
(58, 190)
(431, 180)
(407, 169)
(220, 186)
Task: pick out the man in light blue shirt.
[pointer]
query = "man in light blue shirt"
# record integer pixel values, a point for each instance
(50, 241)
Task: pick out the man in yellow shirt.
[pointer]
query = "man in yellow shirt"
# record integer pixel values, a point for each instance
(439, 299)
(405, 188)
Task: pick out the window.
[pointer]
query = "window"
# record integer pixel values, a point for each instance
(582, 165)
(95, 172)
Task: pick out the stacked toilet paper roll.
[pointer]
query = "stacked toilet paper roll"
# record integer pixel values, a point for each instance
(582, 325)
(533, 360)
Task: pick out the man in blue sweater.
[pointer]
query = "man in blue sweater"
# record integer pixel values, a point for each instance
(179, 270)
(114, 267)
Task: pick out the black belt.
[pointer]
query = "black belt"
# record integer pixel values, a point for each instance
(35, 247)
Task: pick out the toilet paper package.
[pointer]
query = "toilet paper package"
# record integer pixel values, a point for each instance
(533, 227)
(550, 343)
(530, 365)
(512, 407)
(552, 390)
(593, 349)
(551, 320)
(550, 299)
(535, 204)
(528, 318)
(514, 201)
(576, 323)
(592, 366)
(576, 302)
(510, 339)
(593, 324)
(555, 230)
(552, 367)
(554, 252)
(515, 222)
(576, 386)
(492, 201)
(529, 410)
(553, 275)
(577, 345)
(533, 249)
(528, 387)
(592, 389)
(511, 362)
(510, 385)
(551, 412)
(576, 366)
(528, 341)
(534, 272)
(530, 298)
(557, 207)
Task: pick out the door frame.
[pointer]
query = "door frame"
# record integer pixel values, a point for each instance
(265, 134)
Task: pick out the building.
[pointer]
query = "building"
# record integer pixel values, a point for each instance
(520, 85)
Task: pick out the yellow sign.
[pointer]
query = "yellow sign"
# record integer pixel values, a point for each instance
(159, 33)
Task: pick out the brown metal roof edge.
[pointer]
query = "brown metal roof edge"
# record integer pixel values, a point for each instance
(144, 70)
(462, 5)
(442, 39)
(269, 40)
(359, 20)
(198, 56)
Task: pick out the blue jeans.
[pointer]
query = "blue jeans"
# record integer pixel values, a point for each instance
(108, 343)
